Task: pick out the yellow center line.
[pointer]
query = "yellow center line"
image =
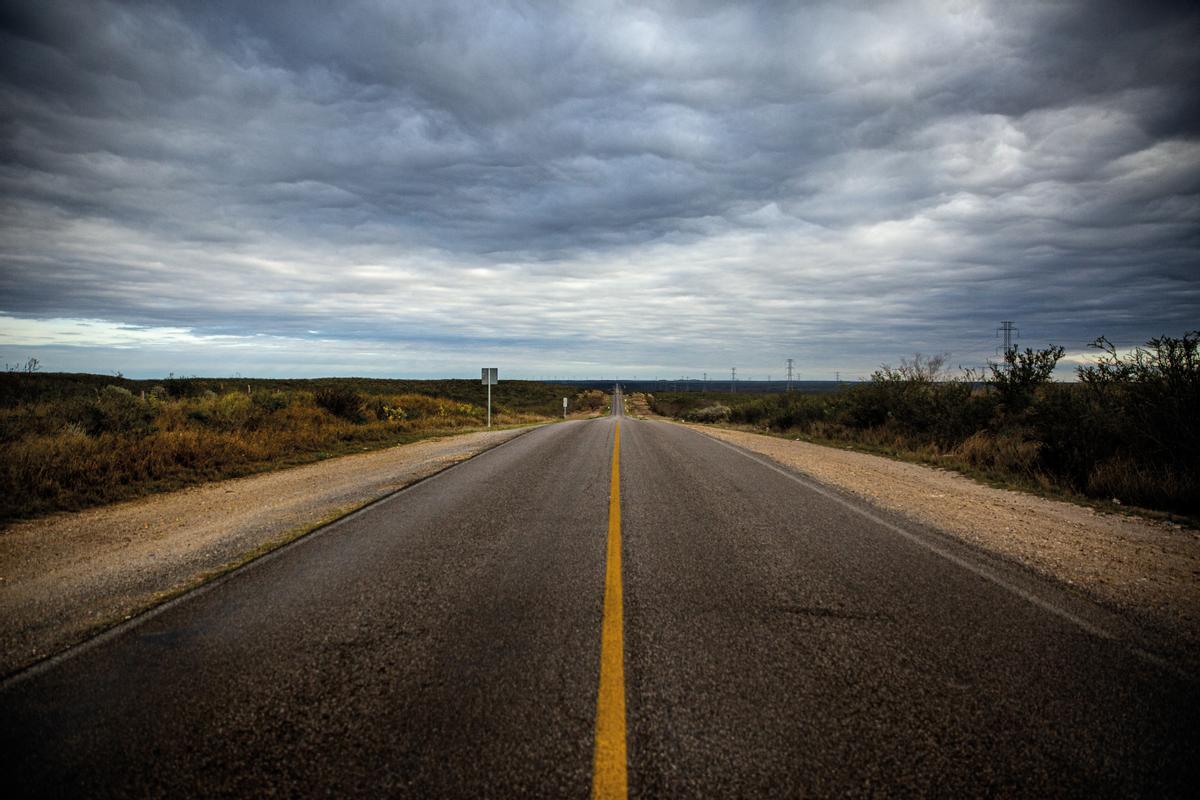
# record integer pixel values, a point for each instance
(609, 778)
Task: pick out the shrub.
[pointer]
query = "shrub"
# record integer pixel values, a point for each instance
(713, 413)
(113, 410)
(268, 402)
(590, 400)
(183, 387)
(1022, 374)
(341, 402)
(233, 411)
(917, 399)
(1146, 401)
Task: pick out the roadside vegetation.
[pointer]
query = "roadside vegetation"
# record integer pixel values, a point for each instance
(1127, 430)
(69, 441)
(590, 401)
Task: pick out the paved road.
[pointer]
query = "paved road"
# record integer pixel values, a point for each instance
(778, 640)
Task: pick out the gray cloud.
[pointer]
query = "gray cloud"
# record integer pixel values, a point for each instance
(657, 186)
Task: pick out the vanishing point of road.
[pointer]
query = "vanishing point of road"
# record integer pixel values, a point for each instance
(613, 607)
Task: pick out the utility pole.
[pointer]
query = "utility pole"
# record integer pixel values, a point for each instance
(789, 383)
(732, 380)
(704, 386)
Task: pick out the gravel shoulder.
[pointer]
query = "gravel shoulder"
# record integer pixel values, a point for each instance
(1148, 569)
(65, 577)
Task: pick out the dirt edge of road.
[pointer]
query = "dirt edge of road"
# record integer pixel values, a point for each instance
(1146, 569)
(69, 577)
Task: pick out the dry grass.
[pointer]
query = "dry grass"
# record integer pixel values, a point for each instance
(110, 444)
(1004, 453)
(1154, 486)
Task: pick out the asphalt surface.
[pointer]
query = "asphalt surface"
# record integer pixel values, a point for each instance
(780, 640)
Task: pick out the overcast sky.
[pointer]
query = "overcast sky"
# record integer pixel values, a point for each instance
(590, 189)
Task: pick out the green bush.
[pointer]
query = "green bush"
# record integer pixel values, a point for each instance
(918, 399)
(713, 413)
(341, 402)
(113, 409)
(233, 412)
(268, 402)
(183, 387)
(590, 400)
(1020, 376)
(1140, 415)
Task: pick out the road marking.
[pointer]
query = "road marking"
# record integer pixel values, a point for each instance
(938, 550)
(609, 779)
(142, 617)
(979, 570)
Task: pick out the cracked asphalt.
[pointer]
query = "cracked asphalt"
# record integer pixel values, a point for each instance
(780, 640)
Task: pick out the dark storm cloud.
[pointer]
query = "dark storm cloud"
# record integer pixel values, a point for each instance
(672, 182)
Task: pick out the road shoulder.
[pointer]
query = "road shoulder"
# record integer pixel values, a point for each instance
(65, 577)
(1147, 569)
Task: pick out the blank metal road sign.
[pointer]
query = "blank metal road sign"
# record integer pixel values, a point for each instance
(489, 376)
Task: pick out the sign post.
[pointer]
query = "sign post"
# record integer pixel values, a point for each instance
(489, 378)
(564, 408)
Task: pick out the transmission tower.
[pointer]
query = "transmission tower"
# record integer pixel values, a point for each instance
(704, 386)
(789, 383)
(1007, 329)
(732, 379)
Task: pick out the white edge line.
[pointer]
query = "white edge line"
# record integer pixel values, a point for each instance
(142, 617)
(976, 569)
